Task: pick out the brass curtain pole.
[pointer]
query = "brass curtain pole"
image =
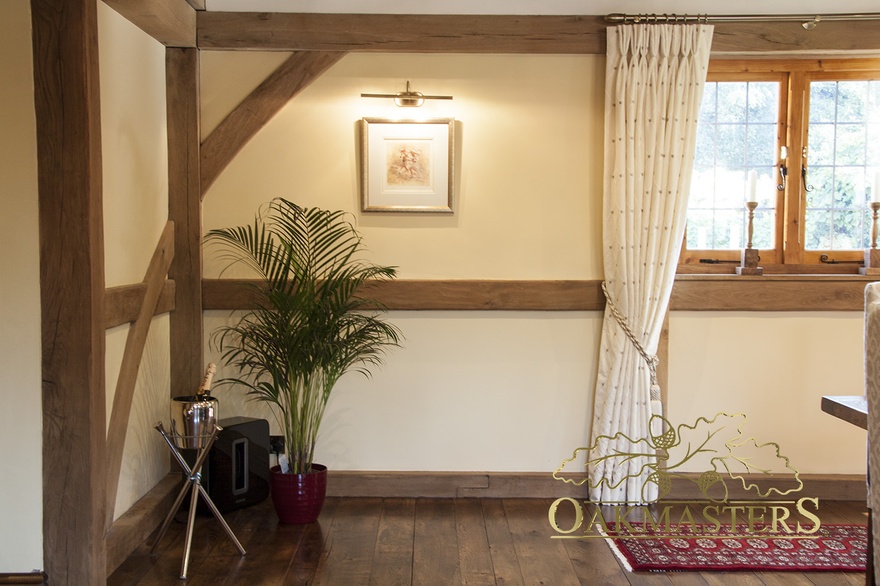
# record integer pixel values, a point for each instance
(808, 21)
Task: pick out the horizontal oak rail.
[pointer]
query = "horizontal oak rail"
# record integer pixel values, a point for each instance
(122, 304)
(769, 293)
(690, 293)
(438, 295)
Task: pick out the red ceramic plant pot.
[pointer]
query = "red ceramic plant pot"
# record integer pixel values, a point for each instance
(298, 498)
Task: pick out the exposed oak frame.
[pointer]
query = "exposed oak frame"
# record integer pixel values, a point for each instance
(76, 309)
(67, 107)
(290, 78)
(691, 293)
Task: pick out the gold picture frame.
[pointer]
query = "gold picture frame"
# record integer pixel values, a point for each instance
(407, 165)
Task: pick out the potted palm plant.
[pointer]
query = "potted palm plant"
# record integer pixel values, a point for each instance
(312, 326)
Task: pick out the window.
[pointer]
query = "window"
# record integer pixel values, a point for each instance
(811, 132)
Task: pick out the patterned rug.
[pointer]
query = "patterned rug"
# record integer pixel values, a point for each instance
(838, 548)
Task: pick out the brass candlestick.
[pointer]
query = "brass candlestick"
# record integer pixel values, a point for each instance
(872, 255)
(750, 256)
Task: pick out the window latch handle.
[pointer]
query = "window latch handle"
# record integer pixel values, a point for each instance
(807, 186)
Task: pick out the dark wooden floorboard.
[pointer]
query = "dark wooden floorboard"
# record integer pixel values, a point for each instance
(542, 560)
(393, 554)
(310, 552)
(435, 542)
(501, 549)
(348, 555)
(474, 556)
(687, 579)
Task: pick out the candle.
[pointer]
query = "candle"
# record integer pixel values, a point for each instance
(875, 188)
(752, 186)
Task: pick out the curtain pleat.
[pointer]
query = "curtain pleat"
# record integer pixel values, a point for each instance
(653, 87)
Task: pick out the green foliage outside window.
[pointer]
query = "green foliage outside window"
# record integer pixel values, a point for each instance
(736, 133)
(843, 153)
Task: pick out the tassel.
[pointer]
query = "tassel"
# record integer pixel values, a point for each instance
(656, 409)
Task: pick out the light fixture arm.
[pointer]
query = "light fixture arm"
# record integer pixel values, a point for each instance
(407, 98)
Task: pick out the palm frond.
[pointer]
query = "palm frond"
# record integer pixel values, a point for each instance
(314, 325)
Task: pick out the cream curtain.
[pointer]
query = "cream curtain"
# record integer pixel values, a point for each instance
(654, 81)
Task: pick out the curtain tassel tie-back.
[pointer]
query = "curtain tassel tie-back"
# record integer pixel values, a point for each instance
(651, 360)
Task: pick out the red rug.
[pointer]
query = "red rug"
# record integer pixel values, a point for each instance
(838, 548)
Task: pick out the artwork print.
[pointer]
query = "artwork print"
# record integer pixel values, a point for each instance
(408, 163)
(407, 166)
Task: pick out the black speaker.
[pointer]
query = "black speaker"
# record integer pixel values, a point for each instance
(236, 471)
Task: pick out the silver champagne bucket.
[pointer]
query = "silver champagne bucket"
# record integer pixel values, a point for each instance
(193, 419)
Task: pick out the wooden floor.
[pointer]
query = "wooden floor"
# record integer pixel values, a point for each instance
(436, 542)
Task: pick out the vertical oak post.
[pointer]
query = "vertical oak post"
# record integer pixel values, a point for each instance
(184, 209)
(67, 107)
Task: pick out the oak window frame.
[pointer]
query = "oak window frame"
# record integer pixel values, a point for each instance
(788, 255)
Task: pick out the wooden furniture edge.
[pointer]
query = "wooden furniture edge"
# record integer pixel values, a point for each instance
(850, 408)
(24, 578)
(136, 525)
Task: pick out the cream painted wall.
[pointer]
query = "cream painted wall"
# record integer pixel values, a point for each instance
(135, 146)
(529, 162)
(529, 207)
(468, 391)
(21, 436)
(135, 156)
(775, 368)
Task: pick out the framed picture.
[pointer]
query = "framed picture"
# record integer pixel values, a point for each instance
(407, 166)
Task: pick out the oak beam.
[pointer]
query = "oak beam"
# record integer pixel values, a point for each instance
(690, 293)
(131, 362)
(435, 33)
(185, 210)
(769, 293)
(401, 32)
(122, 304)
(67, 107)
(171, 22)
(860, 36)
(290, 78)
(438, 295)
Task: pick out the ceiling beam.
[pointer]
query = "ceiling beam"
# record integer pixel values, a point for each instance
(396, 32)
(500, 34)
(171, 22)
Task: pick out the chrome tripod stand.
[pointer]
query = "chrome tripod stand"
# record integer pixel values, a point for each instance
(195, 488)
